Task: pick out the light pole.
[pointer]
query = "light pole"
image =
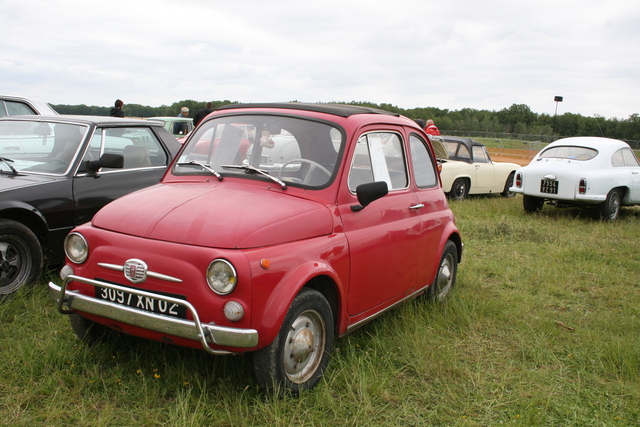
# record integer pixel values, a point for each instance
(557, 100)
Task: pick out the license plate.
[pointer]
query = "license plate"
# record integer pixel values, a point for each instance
(549, 186)
(144, 303)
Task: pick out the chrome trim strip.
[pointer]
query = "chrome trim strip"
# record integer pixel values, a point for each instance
(149, 273)
(392, 306)
(190, 329)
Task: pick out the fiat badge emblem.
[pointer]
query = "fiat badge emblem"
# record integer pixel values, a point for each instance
(135, 270)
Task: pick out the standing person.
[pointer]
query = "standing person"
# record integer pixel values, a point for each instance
(116, 111)
(202, 113)
(180, 127)
(431, 128)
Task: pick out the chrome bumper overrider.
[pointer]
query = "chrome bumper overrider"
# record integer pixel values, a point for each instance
(190, 329)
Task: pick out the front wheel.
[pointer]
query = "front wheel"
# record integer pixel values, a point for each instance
(610, 208)
(298, 356)
(459, 189)
(20, 257)
(446, 275)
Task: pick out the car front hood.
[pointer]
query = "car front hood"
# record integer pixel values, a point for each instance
(11, 182)
(224, 215)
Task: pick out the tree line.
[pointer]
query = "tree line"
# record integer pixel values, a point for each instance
(518, 119)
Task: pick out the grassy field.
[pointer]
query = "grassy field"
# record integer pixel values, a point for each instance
(543, 329)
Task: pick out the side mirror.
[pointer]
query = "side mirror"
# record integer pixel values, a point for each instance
(107, 160)
(368, 193)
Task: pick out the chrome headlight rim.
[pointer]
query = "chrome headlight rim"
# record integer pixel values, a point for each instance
(228, 284)
(76, 254)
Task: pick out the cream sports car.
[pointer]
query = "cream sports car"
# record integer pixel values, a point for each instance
(467, 168)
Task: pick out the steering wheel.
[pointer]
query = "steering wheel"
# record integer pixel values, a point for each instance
(312, 166)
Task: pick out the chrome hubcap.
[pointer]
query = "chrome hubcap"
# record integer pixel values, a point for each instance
(304, 346)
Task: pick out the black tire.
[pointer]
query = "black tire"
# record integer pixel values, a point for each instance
(88, 331)
(532, 204)
(507, 185)
(20, 257)
(610, 208)
(459, 189)
(298, 356)
(446, 276)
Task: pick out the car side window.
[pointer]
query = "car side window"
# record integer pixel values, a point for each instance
(479, 155)
(139, 147)
(630, 159)
(617, 160)
(18, 108)
(379, 157)
(463, 152)
(423, 169)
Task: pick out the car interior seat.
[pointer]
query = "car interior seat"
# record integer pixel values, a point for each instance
(136, 156)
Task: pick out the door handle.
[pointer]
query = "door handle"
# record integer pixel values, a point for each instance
(416, 207)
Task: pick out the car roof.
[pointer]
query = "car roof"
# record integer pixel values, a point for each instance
(39, 105)
(341, 110)
(596, 142)
(86, 120)
(463, 140)
(171, 118)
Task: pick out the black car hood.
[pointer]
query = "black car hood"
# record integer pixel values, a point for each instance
(9, 181)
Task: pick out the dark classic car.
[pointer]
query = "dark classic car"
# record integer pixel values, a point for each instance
(277, 228)
(57, 171)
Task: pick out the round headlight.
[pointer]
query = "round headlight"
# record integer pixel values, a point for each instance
(76, 248)
(221, 277)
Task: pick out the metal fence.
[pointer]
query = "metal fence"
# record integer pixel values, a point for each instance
(525, 138)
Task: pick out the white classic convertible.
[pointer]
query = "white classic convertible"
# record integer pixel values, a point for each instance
(581, 171)
(467, 168)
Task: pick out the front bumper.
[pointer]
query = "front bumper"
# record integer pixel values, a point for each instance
(206, 334)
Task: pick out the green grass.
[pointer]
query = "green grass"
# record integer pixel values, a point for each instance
(543, 329)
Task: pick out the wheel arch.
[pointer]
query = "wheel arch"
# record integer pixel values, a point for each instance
(314, 275)
(30, 218)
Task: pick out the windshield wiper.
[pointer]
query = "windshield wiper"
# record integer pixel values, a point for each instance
(203, 166)
(252, 169)
(8, 163)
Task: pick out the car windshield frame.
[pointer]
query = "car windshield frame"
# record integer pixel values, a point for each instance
(569, 152)
(300, 151)
(40, 147)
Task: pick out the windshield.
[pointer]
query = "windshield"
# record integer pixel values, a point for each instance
(297, 151)
(36, 146)
(569, 152)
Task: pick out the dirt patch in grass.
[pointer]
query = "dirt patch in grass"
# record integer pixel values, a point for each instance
(521, 157)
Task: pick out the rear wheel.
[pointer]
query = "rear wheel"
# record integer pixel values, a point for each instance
(610, 208)
(20, 257)
(459, 189)
(446, 276)
(532, 204)
(507, 185)
(298, 356)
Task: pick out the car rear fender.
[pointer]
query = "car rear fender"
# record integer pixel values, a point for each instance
(314, 274)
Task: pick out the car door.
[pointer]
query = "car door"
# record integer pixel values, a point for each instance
(484, 170)
(631, 164)
(430, 207)
(384, 235)
(145, 161)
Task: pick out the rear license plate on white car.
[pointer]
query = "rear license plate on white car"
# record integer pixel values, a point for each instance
(549, 186)
(144, 303)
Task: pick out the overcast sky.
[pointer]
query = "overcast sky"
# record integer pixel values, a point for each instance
(449, 54)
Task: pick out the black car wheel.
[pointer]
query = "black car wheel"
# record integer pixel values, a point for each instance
(20, 257)
(298, 356)
(508, 185)
(89, 331)
(459, 189)
(610, 208)
(532, 204)
(446, 275)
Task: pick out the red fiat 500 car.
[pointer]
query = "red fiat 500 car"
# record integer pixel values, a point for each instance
(277, 228)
